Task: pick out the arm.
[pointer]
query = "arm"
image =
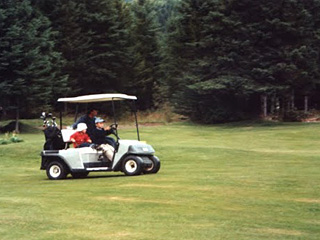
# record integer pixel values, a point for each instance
(108, 130)
(88, 139)
(73, 139)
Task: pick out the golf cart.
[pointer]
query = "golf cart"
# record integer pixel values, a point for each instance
(132, 157)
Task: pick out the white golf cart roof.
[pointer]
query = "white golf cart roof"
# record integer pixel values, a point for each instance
(98, 98)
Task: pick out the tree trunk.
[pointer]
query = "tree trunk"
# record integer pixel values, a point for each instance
(288, 103)
(17, 130)
(292, 106)
(277, 106)
(306, 103)
(264, 105)
(76, 113)
(283, 106)
(65, 108)
(273, 104)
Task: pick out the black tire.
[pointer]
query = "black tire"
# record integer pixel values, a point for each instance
(132, 165)
(79, 174)
(56, 170)
(155, 166)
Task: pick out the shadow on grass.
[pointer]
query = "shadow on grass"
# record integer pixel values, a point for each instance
(70, 178)
(25, 126)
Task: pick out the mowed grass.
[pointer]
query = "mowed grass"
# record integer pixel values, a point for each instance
(216, 182)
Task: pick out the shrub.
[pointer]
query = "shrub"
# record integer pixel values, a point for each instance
(295, 116)
(10, 138)
(4, 141)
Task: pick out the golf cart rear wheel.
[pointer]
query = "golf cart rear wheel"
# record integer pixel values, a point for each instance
(132, 165)
(155, 167)
(56, 170)
(79, 174)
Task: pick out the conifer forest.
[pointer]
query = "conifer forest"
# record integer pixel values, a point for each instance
(210, 60)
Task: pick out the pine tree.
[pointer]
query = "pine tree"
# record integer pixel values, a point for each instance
(107, 66)
(30, 68)
(71, 40)
(94, 39)
(146, 54)
(241, 50)
(121, 38)
(281, 51)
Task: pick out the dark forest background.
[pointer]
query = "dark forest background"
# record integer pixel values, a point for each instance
(211, 60)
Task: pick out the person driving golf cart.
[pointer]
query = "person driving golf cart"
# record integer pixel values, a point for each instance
(99, 134)
(81, 138)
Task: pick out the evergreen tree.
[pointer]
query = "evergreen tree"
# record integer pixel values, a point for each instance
(122, 47)
(29, 66)
(243, 49)
(106, 59)
(94, 39)
(66, 17)
(146, 54)
(281, 46)
(164, 10)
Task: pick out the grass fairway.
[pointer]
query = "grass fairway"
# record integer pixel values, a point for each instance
(216, 182)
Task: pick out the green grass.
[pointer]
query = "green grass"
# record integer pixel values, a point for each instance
(216, 182)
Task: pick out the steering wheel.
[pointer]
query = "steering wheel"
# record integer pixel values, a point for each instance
(114, 126)
(113, 129)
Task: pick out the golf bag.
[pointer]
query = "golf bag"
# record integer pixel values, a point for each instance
(52, 133)
(54, 139)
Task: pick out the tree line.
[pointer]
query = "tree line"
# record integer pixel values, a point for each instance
(211, 60)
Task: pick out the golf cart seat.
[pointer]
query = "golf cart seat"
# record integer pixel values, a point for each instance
(66, 134)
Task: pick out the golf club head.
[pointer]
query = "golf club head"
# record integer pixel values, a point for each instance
(43, 115)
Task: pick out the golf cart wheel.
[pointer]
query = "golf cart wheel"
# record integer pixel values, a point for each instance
(79, 174)
(56, 170)
(132, 165)
(155, 167)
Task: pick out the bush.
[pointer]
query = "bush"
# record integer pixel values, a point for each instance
(15, 139)
(295, 116)
(4, 142)
(10, 138)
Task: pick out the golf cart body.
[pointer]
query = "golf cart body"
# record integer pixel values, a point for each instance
(132, 157)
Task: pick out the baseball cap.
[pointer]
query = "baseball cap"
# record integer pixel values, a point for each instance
(99, 120)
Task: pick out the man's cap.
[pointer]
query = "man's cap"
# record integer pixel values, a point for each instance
(99, 120)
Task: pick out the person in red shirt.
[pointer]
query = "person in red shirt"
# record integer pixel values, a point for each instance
(81, 138)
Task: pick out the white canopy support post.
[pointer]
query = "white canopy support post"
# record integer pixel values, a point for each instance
(114, 116)
(60, 116)
(136, 119)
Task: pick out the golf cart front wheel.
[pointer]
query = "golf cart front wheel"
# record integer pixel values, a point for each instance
(56, 170)
(155, 166)
(132, 165)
